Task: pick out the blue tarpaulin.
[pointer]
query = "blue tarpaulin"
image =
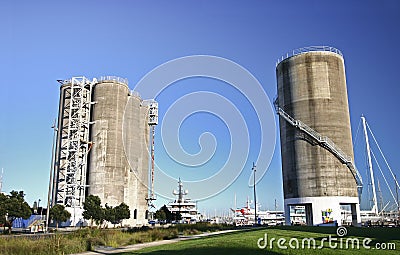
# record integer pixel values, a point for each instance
(21, 223)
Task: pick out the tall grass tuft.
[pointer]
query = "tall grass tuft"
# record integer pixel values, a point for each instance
(56, 244)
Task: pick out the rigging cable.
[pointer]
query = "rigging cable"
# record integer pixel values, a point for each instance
(384, 158)
(390, 190)
(355, 140)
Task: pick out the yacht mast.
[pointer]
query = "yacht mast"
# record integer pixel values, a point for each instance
(371, 172)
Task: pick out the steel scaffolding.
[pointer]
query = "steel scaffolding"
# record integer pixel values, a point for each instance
(73, 143)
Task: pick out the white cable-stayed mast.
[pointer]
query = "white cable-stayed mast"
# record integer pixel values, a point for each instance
(371, 172)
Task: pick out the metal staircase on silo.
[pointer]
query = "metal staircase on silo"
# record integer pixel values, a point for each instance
(324, 142)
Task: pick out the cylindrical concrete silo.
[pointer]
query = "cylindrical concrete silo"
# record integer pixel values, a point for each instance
(118, 120)
(136, 142)
(107, 167)
(312, 89)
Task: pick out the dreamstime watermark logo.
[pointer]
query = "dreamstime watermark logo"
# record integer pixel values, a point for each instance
(219, 105)
(330, 242)
(341, 231)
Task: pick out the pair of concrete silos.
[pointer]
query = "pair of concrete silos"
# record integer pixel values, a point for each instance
(101, 147)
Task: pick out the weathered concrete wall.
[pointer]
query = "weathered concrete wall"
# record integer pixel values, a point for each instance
(136, 141)
(110, 175)
(312, 88)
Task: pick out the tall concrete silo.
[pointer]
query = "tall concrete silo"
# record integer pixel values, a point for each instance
(116, 174)
(102, 147)
(316, 143)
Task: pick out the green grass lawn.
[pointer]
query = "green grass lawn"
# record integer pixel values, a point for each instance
(245, 242)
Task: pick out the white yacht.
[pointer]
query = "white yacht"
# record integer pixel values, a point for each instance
(184, 206)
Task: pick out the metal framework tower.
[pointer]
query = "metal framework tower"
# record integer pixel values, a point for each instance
(153, 121)
(74, 144)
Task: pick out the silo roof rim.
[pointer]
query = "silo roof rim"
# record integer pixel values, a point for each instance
(83, 80)
(113, 78)
(308, 49)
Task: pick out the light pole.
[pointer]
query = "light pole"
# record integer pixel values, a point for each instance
(52, 174)
(397, 201)
(255, 197)
(38, 206)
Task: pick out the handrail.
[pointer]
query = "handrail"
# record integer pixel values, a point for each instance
(82, 80)
(135, 93)
(308, 49)
(114, 78)
(323, 141)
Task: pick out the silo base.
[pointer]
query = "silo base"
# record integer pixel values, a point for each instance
(324, 211)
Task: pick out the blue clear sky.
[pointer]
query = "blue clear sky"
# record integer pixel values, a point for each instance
(42, 41)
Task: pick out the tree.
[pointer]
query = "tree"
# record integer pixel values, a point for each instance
(59, 214)
(115, 215)
(3, 210)
(110, 214)
(14, 206)
(122, 212)
(93, 210)
(169, 216)
(160, 215)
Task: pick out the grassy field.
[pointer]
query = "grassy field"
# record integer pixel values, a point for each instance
(242, 242)
(88, 239)
(245, 242)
